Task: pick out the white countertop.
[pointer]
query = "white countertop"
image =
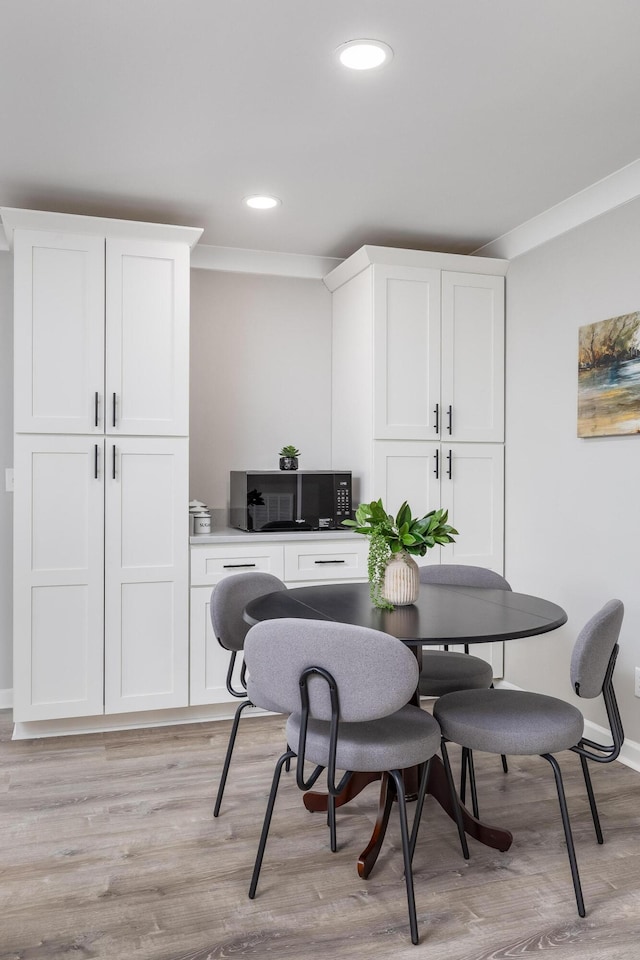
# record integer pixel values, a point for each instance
(233, 535)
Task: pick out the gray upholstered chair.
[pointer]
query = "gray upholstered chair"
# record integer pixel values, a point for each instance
(346, 689)
(444, 671)
(228, 600)
(529, 724)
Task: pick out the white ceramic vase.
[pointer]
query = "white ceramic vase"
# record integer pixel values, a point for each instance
(401, 579)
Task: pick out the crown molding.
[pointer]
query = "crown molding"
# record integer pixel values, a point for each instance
(397, 256)
(613, 191)
(268, 262)
(14, 218)
(605, 195)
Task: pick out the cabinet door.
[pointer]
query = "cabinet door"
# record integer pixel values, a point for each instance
(406, 326)
(59, 333)
(408, 470)
(58, 577)
(472, 357)
(147, 320)
(209, 662)
(473, 491)
(146, 574)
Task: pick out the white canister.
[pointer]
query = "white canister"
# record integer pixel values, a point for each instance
(201, 523)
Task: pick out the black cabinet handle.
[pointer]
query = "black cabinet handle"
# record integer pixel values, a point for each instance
(329, 561)
(114, 411)
(236, 566)
(114, 462)
(436, 425)
(450, 465)
(96, 421)
(450, 418)
(436, 457)
(95, 461)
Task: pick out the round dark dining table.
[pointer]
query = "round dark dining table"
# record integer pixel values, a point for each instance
(442, 614)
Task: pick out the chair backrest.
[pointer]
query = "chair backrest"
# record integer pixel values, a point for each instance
(593, 648)
(228, 600)
(463, 575)
(375, 673)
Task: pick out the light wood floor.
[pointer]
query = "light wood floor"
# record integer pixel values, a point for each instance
(109, 850)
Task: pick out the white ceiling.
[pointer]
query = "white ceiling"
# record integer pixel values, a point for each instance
(490, 112)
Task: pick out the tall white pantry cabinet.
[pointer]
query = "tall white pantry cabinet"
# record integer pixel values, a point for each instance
(101, 547)
(418, 389)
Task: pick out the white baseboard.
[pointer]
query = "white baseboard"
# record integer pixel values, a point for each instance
(32, 729)
(630, 753)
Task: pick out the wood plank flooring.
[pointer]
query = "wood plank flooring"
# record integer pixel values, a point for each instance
(109, 850)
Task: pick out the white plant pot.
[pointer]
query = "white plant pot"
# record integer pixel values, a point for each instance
(401, 579)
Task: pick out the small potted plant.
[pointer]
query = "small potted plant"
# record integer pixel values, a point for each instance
(289, 457)
(393, 573)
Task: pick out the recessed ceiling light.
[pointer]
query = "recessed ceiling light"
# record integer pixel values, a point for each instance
(364, 54)
(262, 202)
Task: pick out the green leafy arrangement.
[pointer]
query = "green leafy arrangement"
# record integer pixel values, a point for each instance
(289, 451)
(388, 534)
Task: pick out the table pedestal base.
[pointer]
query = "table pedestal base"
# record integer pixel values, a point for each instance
(495, 837)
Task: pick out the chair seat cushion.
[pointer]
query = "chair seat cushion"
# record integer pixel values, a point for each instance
(445, 672)
(403, 739)
(509, 721)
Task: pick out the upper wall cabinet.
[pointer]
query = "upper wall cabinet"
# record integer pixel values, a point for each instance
(102, 326)
(472, 364)
(147, 338)
(59, 333)
(406, 352)
(421, 335)
(438, 348)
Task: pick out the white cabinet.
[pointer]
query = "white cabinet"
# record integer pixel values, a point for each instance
(101, 586)
(406, 351)
(59, 332)
(311, 561)
(101, 548)
(211, 562)
(209, 661)
(147, 338)
(298, 560)
(466, 478)
(438, 354)
(472, 390)
(101, 334)
(418, 389)
(59, 577)
(146, 574)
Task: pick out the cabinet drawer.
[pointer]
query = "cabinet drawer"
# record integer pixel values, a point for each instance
(326, 561)
(210, 564)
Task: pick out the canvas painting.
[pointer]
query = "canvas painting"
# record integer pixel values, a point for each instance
(609, 377)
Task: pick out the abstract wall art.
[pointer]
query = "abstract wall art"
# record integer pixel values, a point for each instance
(609, 377)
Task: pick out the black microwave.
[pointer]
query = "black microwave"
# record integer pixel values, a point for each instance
(271, 500)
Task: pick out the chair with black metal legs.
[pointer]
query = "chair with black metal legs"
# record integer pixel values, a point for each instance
(529, 724)
(228, 600)
(346, 689)
(444, 671)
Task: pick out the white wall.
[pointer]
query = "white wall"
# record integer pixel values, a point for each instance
(6, 460)
(260, 377)
(572, 506)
